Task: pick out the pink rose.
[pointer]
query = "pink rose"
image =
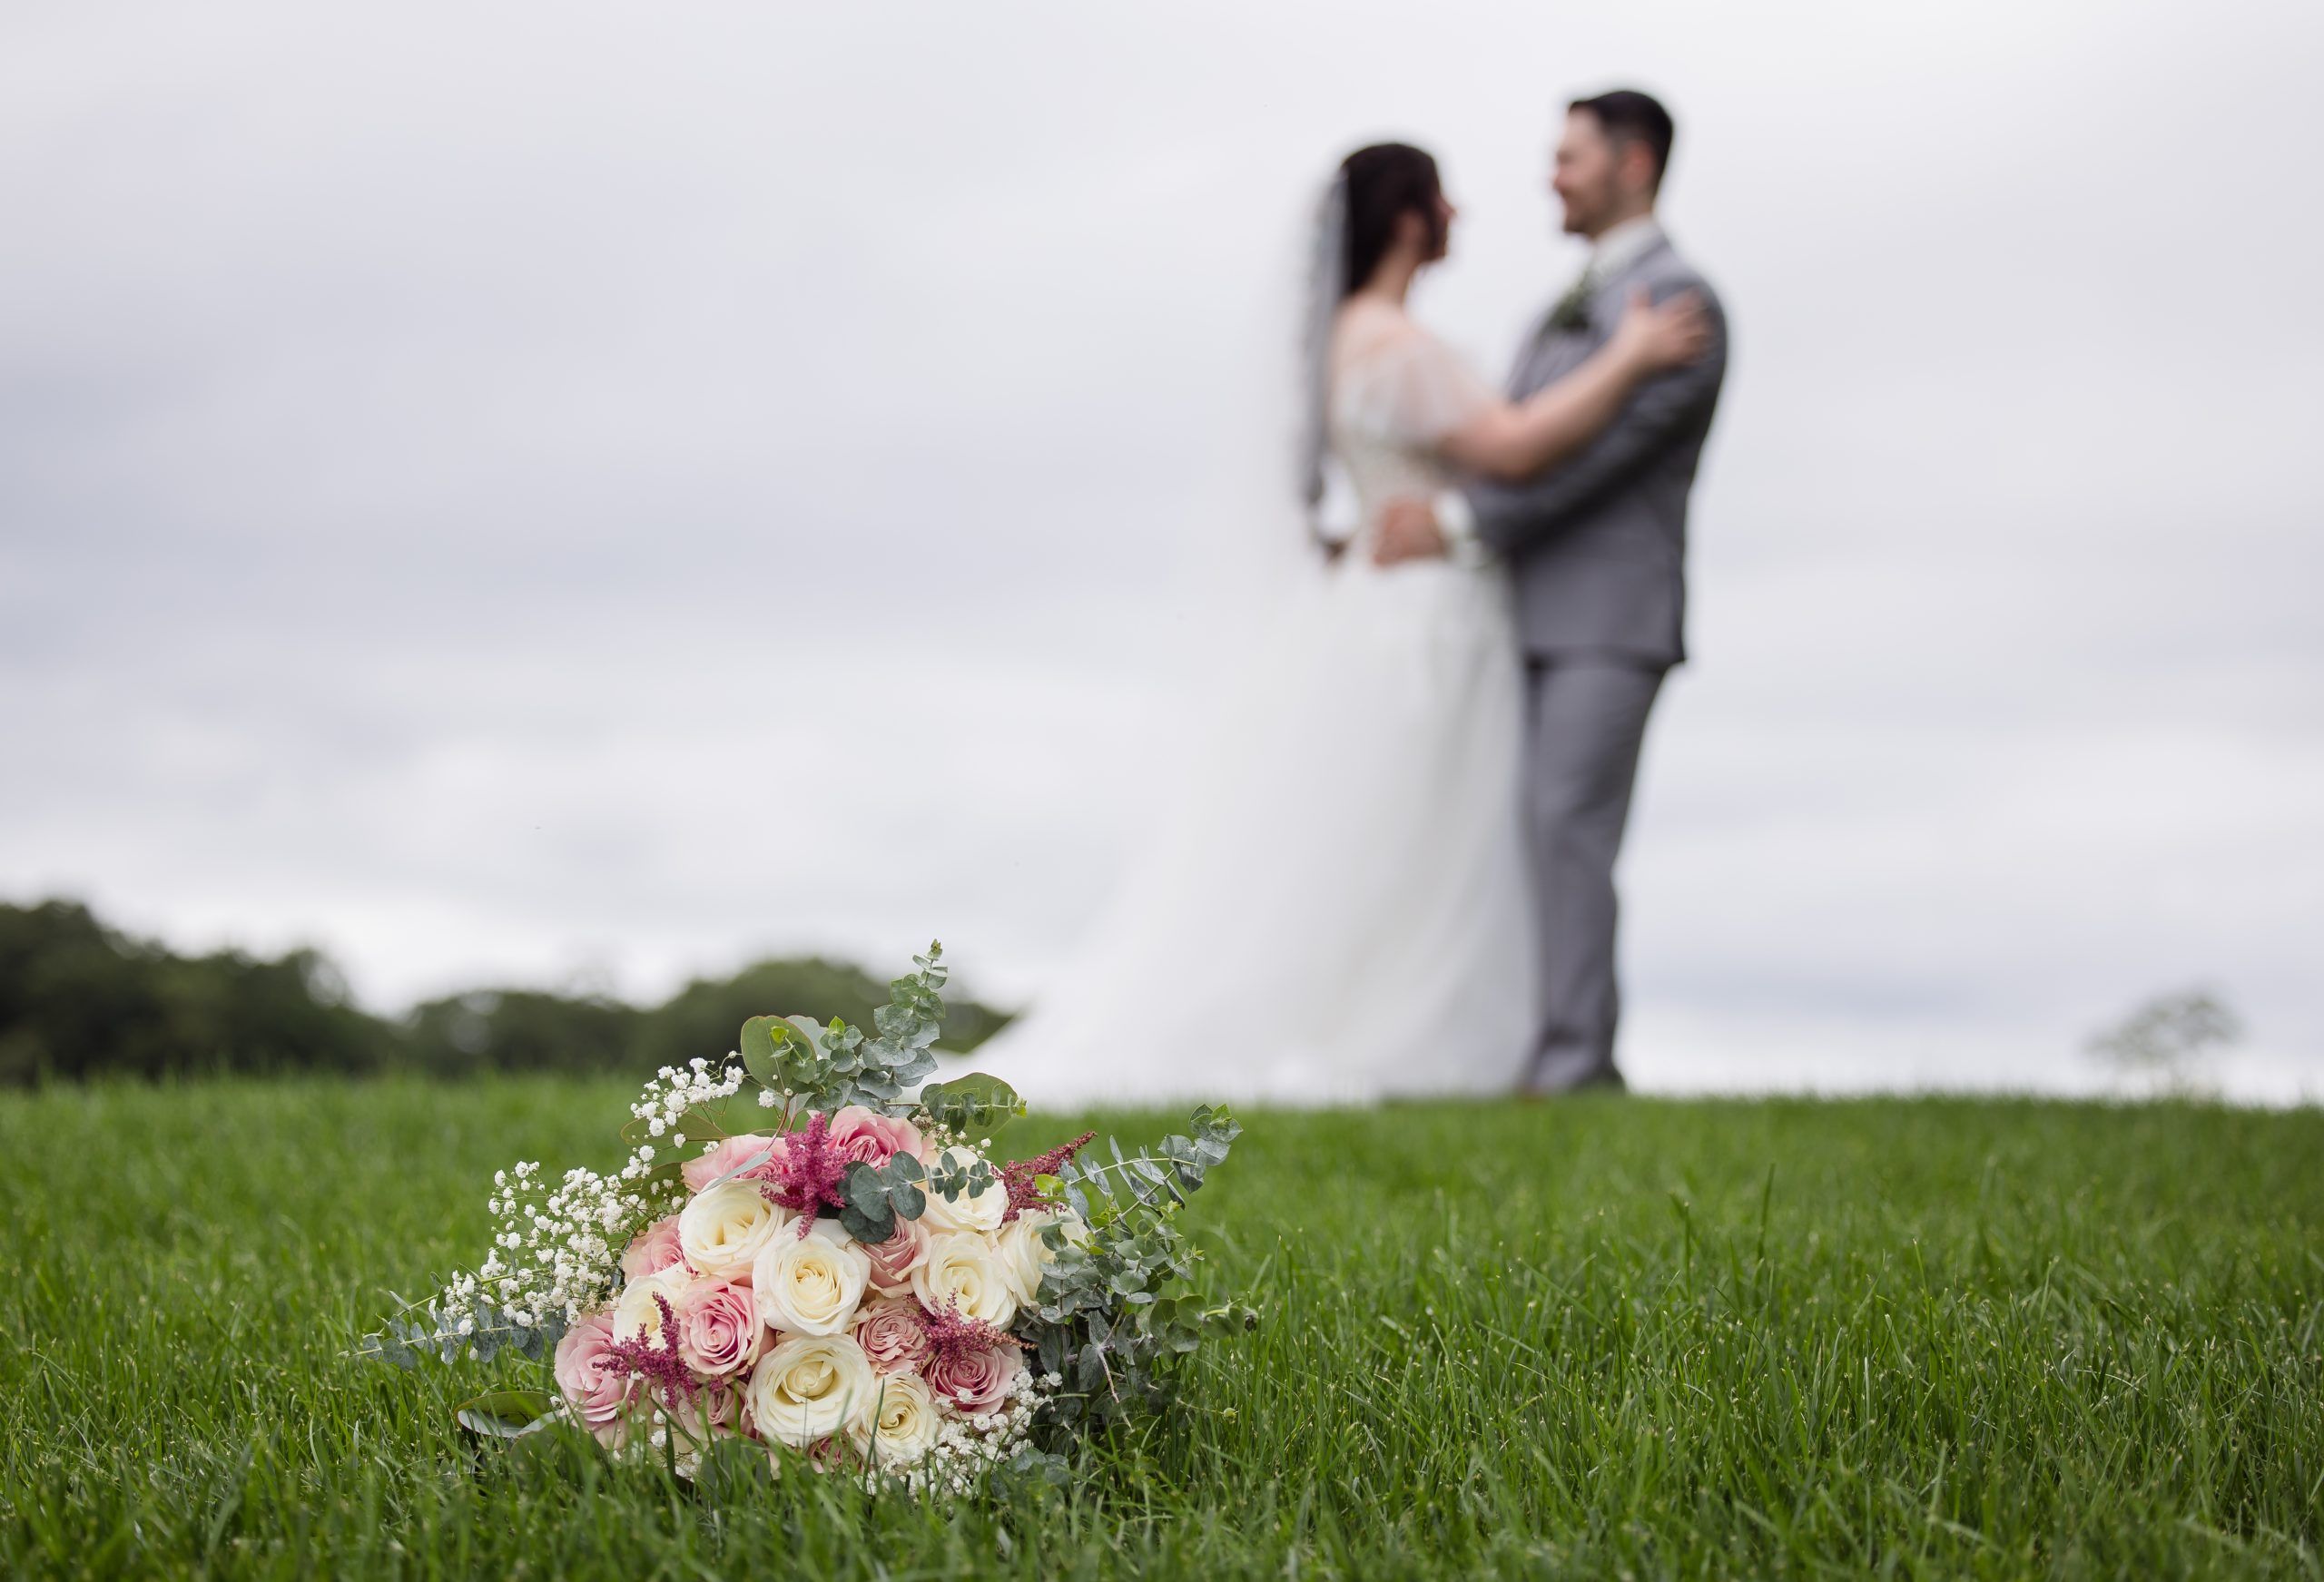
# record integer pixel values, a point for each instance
(825, 1455)
(735, 1151)
(861, 1133)
(893, 1260)
(721, 1400)
(655, 1249)
(599, 1390)
(975, 1381)
(719, 1334)
(892, 1336)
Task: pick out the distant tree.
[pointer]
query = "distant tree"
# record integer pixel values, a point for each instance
(2169, 1035)
(703, 1017)
(78, 999)
(515, 1029)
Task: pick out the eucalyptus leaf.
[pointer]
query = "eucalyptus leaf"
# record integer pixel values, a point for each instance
(758, 1046)
(976, 1102)
(862, 1188)
(869, 1228)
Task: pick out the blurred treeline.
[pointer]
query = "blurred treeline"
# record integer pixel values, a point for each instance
(80, 999)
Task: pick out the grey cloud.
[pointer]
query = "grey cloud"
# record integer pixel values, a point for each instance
(457, 464)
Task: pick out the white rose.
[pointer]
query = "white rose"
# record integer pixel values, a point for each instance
(812, 1387)
(981, 1211)
(903, 1423)
(1026, 1256)
(965, 1270)
(809, 1285)
(636, 1312)
(722, 1230)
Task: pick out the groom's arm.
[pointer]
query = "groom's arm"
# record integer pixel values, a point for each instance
(1516, 517)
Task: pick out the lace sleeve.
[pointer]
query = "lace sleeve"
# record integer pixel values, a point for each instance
(1409, 388)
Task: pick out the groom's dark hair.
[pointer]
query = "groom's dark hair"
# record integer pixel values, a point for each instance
(1630, 116)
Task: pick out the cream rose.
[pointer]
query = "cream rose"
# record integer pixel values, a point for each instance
(903, 1422)
(812, 1387)
(636, 1312)
(809, 1285)
(1026, 1256)
(964, 1271)
(977, 1211)
(722, 1230)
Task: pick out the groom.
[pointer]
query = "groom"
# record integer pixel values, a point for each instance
(1597, 546)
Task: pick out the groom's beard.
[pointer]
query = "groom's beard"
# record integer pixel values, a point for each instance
(1585, 213)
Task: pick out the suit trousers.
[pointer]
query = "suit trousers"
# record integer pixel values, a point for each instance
(1585, 722)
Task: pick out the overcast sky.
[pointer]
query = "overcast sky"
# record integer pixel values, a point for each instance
(590, 494)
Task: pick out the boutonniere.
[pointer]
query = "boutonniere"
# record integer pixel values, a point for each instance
(1572, 311)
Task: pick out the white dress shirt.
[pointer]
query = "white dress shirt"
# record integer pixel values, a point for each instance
(1619, 248)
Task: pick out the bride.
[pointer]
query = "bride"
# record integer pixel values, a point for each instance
(1339, 913)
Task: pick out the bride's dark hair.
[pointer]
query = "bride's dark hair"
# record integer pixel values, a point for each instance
(1355, 225)
(1382, 182)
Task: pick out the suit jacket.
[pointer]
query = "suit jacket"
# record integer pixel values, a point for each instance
(1598, 544)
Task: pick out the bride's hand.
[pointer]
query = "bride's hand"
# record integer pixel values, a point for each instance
(1659, 337)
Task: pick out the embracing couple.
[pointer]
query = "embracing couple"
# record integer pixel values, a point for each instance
(1393, 875)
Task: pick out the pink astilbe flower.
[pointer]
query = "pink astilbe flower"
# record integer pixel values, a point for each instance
(1022, 1177)
(953, 1335)
(659, 1366)
(805, 1172)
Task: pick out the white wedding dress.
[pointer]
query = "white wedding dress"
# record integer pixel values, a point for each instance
(1339, 911)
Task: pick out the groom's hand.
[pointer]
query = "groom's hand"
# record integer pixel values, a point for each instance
(1408, 531)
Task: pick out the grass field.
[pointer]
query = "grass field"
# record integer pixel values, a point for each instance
(1599, 1338)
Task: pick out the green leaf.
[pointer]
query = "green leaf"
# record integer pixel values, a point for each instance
(866, 1215)
(1233, 1319)
(862, 1186)
(507, 1414)
(973, 1103)
(758, 1046)
(870, 1229)
(803, 1057)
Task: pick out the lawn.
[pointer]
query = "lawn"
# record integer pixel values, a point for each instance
(1599, 1338)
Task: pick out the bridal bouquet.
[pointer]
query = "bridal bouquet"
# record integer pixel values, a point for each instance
(795, 1255)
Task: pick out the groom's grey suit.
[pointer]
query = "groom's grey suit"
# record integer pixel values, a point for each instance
(1598, 549)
